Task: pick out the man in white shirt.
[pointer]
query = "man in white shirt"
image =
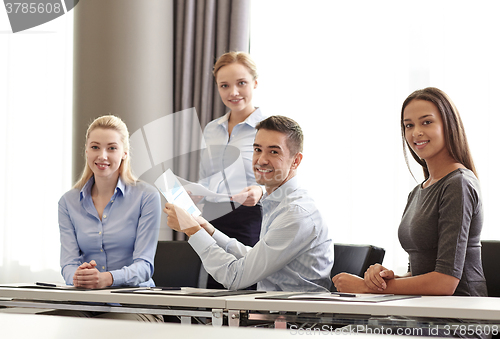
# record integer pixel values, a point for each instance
(295, 252)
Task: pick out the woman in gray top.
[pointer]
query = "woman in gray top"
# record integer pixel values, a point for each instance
(441, 225)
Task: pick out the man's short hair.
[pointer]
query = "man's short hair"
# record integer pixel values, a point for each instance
(282, 124)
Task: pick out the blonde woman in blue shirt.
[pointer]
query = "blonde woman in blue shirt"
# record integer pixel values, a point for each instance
(109, 221)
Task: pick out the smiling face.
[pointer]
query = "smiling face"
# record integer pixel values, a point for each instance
(104, 152)
(236, 85)
(424, 130)
(273, 165)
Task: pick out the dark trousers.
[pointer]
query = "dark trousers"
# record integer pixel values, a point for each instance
(243, 223)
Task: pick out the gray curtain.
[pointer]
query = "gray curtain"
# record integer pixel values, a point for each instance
(203, 30)
(120, 48)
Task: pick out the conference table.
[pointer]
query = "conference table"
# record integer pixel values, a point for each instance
(470, 315)
(273, 308)
(115, 300)
(53, 327)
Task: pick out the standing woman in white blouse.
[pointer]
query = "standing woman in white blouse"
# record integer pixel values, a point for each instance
(226, 164)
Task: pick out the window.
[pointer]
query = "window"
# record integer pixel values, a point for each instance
(342, 70)
(36, 70)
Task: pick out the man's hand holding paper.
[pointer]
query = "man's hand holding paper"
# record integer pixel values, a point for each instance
(174, 192)
(181, 221)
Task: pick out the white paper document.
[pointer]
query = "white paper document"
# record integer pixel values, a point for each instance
(175, 194)
(199, 189)
(339, 296)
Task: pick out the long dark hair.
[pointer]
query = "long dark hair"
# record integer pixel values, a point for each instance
(454, 133)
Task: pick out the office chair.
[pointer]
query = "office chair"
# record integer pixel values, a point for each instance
(490, 252)
(178, 265)
(355, 259)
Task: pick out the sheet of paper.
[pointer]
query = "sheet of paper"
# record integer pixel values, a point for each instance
(54, 285)
(190, 293)
(326, 295)
(199, 189)
(336, 296)
(173, 191)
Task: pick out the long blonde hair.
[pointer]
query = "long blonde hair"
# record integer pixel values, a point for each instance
(116, 124)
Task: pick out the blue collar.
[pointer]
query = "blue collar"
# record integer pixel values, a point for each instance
(87, 188)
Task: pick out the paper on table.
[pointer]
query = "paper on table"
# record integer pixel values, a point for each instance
(190, 292)
(321, 295)
(199, 189)
(54, 285)
(173, 191)
(335, 296)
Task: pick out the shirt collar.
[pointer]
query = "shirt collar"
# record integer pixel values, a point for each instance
(283, 191)
(255, 118)
(120, 186)
(252, 120)
(224, 119)
(87, 188)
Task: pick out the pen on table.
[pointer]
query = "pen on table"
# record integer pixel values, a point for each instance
(45, 284)
(165, 288)
(344, 294)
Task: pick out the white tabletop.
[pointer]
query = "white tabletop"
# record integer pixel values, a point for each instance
(55, 327)
(474, 308)
(108, 296)
(477, 308)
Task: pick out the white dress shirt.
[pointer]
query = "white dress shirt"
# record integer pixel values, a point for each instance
(294, 253)
(229, 156)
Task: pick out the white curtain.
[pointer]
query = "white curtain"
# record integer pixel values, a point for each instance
(342, 69)
(35, 139)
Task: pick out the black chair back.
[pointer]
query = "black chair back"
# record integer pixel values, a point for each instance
(355, 259)
(490, 255)
(176, 265)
